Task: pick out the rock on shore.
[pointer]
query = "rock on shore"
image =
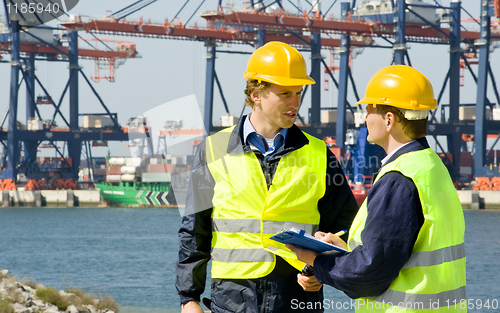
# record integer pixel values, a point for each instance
(22, 298)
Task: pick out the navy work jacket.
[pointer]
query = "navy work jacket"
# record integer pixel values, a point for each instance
(392, 225)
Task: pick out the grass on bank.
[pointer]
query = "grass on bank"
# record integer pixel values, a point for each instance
(104, 302)
(5, 306)
(73, 296)
(53, 296)
(5, 303)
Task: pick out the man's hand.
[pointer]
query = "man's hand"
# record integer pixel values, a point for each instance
(192, 307)
(331, 238)
(308, 283)
(305, 255)
(308, 256)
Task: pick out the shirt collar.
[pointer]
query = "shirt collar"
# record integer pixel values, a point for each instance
(414, 145)
(384, 160)
(249, 129)
(295, 139)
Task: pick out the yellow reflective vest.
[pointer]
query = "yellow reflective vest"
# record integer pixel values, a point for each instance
(246, 213)
(433, 279)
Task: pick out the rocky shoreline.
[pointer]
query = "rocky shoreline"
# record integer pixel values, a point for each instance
(28, 297)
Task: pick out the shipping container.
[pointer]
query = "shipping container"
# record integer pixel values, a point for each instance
(160, 168)
(336, 151)
(113, 178)
(117, 161)
(465, 170)
(156, 177)
(128, 177)
(128, 170)
(96, 121)
(133, 162)
(113, 170)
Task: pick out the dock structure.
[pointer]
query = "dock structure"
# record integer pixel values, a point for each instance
(50, 198)
(470, 199)
(478, 200)
(392, 24)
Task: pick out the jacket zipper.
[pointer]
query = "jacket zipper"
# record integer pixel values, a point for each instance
(264, 297)
(267, 173)
(267, 176)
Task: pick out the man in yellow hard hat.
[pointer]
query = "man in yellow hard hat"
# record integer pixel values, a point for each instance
(250, 181)
(407, 240)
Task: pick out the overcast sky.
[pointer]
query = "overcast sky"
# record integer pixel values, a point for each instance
(172, 69)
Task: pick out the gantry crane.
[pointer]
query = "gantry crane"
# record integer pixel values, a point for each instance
(27, 45)
(312, 29)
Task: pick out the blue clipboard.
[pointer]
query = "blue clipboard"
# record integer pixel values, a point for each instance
(301, 239)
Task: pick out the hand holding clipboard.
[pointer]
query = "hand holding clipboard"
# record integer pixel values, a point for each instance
(299, 238)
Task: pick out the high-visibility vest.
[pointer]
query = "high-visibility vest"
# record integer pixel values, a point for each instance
(433, 279)
(246, 213)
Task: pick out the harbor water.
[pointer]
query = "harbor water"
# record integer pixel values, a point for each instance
(130, 254)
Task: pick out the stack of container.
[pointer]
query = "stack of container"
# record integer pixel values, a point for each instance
(113, 170)
(466, 165)
(127, 169)
(121, 169)
(98, 173)
(158, 170)
(48, 163)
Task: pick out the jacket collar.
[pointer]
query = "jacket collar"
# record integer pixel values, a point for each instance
(416, 145)
(294, 140)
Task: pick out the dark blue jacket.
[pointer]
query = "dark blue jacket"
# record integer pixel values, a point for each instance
(391, 229)
(275, 292)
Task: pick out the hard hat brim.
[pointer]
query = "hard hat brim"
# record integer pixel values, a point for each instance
(404, 105)
(282, 81)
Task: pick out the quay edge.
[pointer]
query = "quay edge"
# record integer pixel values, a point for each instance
(50, 198)
(470, 199)
(479, 199)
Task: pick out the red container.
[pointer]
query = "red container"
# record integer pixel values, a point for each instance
(113, 170)
(160, 168)
(336, 151)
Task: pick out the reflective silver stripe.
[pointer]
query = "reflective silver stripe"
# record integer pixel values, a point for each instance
(436, 257)
(353, 244)
(273, 227)
(241, 255)
(246, 225)
(422, 301)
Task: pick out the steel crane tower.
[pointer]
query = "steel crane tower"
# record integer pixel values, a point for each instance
(483, 126)
(23, 57)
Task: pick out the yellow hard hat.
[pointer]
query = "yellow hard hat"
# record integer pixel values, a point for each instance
(278, 63)
(402, 87)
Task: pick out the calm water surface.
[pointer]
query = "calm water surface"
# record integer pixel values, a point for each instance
(130, 254)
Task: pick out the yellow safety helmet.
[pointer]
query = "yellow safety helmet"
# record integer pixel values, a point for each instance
(402, 87)
(278, 63)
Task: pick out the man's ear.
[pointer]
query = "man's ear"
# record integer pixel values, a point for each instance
(255, 95)
(390, 120)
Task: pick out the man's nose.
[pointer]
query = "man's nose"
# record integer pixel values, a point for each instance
(294, 102)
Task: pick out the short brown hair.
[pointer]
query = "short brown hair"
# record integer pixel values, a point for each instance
(254, 84)
(414, 129)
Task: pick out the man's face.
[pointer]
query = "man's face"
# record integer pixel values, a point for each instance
(376, 125)
(278, 106)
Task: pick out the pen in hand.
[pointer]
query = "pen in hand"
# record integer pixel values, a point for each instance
(340, 233)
